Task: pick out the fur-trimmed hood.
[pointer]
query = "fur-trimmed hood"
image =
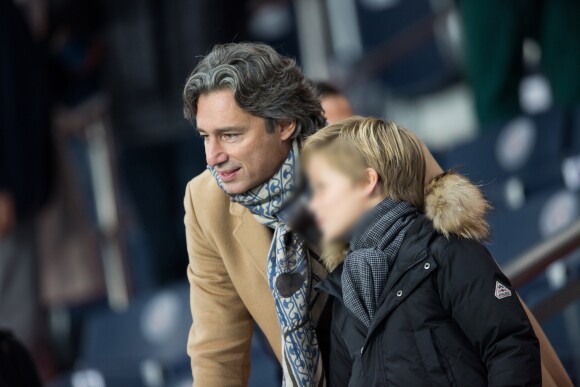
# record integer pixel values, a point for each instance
(454, 204)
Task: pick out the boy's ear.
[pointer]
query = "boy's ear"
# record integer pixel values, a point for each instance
(371, 181)
(287, 129)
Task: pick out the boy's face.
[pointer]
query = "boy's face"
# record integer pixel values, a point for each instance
(338, 201)
(237, 144)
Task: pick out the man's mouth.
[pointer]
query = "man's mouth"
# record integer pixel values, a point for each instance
(228, 175)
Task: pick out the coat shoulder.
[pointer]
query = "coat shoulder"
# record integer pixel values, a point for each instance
(204, 198)
(204, 184)
(460, 253)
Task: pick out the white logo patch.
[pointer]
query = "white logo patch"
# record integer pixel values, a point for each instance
(501, 291)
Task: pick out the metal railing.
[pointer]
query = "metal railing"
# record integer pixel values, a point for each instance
(535, 261)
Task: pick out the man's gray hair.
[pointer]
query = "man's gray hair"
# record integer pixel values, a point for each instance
(265, 84)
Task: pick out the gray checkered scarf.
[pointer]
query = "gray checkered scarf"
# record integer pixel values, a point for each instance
(374, 244)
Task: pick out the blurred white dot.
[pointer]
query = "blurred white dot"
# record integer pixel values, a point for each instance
(571, 172)
(514, 193)
(558, 213)
(152, 373)
(453, 27)
(556, 274)
(160, 317)
(271, 22)
(532, 52)
(515, 143)
(187, 382)
(535, 94)
(379, 5)
(87, 378)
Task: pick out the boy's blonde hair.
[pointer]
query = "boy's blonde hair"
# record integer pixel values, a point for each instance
(394, 152)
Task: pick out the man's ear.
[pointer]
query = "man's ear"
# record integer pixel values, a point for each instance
(371, 181)
(287, 129)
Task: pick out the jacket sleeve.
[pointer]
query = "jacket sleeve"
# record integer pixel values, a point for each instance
(340, 367)
(220, 337)
(468, 279)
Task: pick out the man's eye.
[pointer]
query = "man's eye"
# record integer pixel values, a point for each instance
(205, 138)
(231, 136)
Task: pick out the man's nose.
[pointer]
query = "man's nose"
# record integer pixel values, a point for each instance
(214, 153)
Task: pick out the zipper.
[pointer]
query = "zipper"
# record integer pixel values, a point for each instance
(373, 326)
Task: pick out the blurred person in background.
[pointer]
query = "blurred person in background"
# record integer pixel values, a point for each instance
(494, 33)
(252, 107)
(334, 103)
(25, 174)
(336, 107)
(45, 258)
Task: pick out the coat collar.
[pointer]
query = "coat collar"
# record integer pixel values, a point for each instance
(236, 209)
(413, 250)
(252, 236)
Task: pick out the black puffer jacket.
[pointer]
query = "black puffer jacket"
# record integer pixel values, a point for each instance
(448, 317)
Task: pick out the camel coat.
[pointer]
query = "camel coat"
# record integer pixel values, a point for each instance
(227, 251)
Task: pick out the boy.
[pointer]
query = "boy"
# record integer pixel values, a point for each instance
(416, 302)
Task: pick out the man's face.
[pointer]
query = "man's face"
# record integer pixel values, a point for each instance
(237, 144)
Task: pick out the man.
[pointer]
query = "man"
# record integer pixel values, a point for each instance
(251, 106)
(335, 105)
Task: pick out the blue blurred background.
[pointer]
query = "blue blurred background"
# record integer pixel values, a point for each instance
(95, 154)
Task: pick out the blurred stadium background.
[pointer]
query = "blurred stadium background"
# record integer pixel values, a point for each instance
(98, 153)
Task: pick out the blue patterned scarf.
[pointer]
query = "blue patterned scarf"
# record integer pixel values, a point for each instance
(289, 273)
